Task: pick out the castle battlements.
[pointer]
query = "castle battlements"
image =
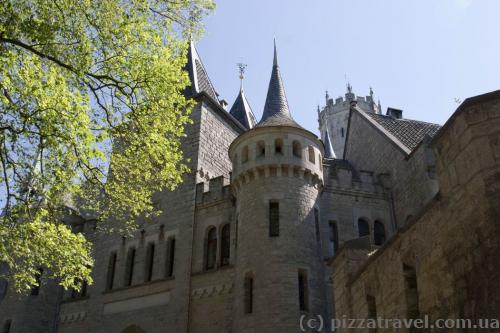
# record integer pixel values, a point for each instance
(215, 190)
(339, 174)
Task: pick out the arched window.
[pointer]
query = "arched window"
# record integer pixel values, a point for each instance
(244, 154)
(211, 248)
(333, 236)
(278, 146)
(363, 228)
(261, 149)
(248, 293)
(225, 245)
(312, 159)
(378, 233)
(297, 149)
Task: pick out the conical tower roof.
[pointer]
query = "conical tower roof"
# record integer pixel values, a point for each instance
(200, 81)
(242, 111)
(329, 153)
(276, 111)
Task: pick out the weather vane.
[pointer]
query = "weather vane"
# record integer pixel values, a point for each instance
(241, 67)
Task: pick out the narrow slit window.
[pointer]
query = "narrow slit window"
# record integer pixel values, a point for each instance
(248, 291)
(111, 271)
(379, 233)
(274, 219)
(303, 290)
(150, 259)
(261, 149)
(316, 224)
(311, 155)
(297, 149)
(129, 267)
(278, 146)
(170, 256)
(334, 237)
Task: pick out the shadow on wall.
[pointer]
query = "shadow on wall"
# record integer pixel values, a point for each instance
(133, 329)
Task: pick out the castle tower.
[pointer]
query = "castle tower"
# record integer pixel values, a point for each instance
(277, 178)
(241, 109)
(334, 116)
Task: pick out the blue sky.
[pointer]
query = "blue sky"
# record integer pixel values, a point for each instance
(417, 55)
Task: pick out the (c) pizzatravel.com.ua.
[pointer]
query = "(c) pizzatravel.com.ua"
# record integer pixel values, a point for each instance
(317, 323)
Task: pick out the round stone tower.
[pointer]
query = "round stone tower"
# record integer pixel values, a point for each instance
(277, 177)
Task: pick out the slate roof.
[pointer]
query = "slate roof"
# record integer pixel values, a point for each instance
(198, 75)
(276, 111)
(329, 153)
(242, 111)
(409, 132)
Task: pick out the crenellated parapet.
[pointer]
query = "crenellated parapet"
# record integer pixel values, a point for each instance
(213, 191)
(340, 174)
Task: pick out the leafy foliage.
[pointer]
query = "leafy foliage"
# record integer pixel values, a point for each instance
(80, 79)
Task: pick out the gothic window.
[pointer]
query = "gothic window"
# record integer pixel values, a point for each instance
(129, 266)
(411, 292)
(379, 233)
(303, 290)
(150, 259)
(244, 154)
(274, 219)
(316, 223)
(211, 248)
(311, 155)
(333, 236)
(278, 146)
(170, 256)
(7, 325)
(297, 149)
(225, 245)
(35, 290)
(261, 149)
(363, 228)
(248, 293)
(111, 271)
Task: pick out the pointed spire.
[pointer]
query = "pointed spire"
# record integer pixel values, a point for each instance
(329, 153)
(241, 109)
(276, 112)
(198, 76)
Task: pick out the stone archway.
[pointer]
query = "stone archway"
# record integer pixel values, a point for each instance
(133, 329)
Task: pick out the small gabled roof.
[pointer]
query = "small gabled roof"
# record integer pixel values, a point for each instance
(409, 132)
(276, 111)
(198, 75)
(242, 111)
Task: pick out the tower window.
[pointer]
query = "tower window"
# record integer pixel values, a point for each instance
(129, 266)
(363, 228)
(379, 233)
(278, 146)
(334, 237)
(225, 245)
(303, 290)
(244, 154)
(150, 259)
(211, 248)
(261, 149)
(111, 271)
(412, 306)
(311, 155)
(342, 132)
(248, 293)
(170, 256)
(316, 224)
(274, 219)
(297, 149)
(7, 325)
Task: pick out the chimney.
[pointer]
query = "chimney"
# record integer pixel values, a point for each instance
(394, 113)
